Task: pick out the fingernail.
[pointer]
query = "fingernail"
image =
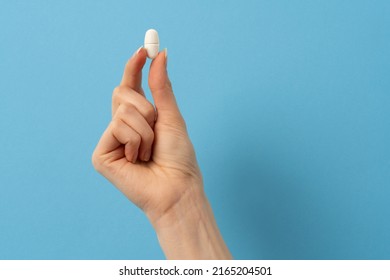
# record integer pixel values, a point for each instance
(146, 156)
(135, 156)
(137, 51)
(166, 56)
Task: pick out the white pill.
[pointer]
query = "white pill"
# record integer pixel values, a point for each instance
(151, 43)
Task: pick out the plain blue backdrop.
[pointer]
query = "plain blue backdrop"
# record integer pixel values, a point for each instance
(287, 104)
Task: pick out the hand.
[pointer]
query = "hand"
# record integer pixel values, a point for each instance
(147, 154)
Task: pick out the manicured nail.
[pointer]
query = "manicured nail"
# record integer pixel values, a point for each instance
(135, 156)
(146, 156)
(166, 56)
(137, 51)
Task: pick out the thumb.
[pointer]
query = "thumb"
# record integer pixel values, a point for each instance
(161, 87)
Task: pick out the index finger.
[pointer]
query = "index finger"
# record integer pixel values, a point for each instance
(132, 75)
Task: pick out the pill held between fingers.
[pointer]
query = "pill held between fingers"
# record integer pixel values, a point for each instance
(151, 43)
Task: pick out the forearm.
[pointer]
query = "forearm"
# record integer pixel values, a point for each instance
(189, 231)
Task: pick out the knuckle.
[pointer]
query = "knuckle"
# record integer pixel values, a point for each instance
(150, 108)
(96, 162)
(115, 125)
(149, 135)
(124, 109)
(134, 141)
(128, 108)
(150, 113)
(116, 90)
(117, 93)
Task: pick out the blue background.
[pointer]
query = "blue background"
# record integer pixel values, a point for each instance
(287, 104)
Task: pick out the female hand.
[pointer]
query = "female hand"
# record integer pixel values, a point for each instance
(147, 154)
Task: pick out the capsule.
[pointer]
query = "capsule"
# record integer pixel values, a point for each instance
(151, 43)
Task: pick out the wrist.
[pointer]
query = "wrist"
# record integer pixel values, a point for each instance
(188, 230)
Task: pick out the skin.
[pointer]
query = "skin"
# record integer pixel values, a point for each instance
(147, 154)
